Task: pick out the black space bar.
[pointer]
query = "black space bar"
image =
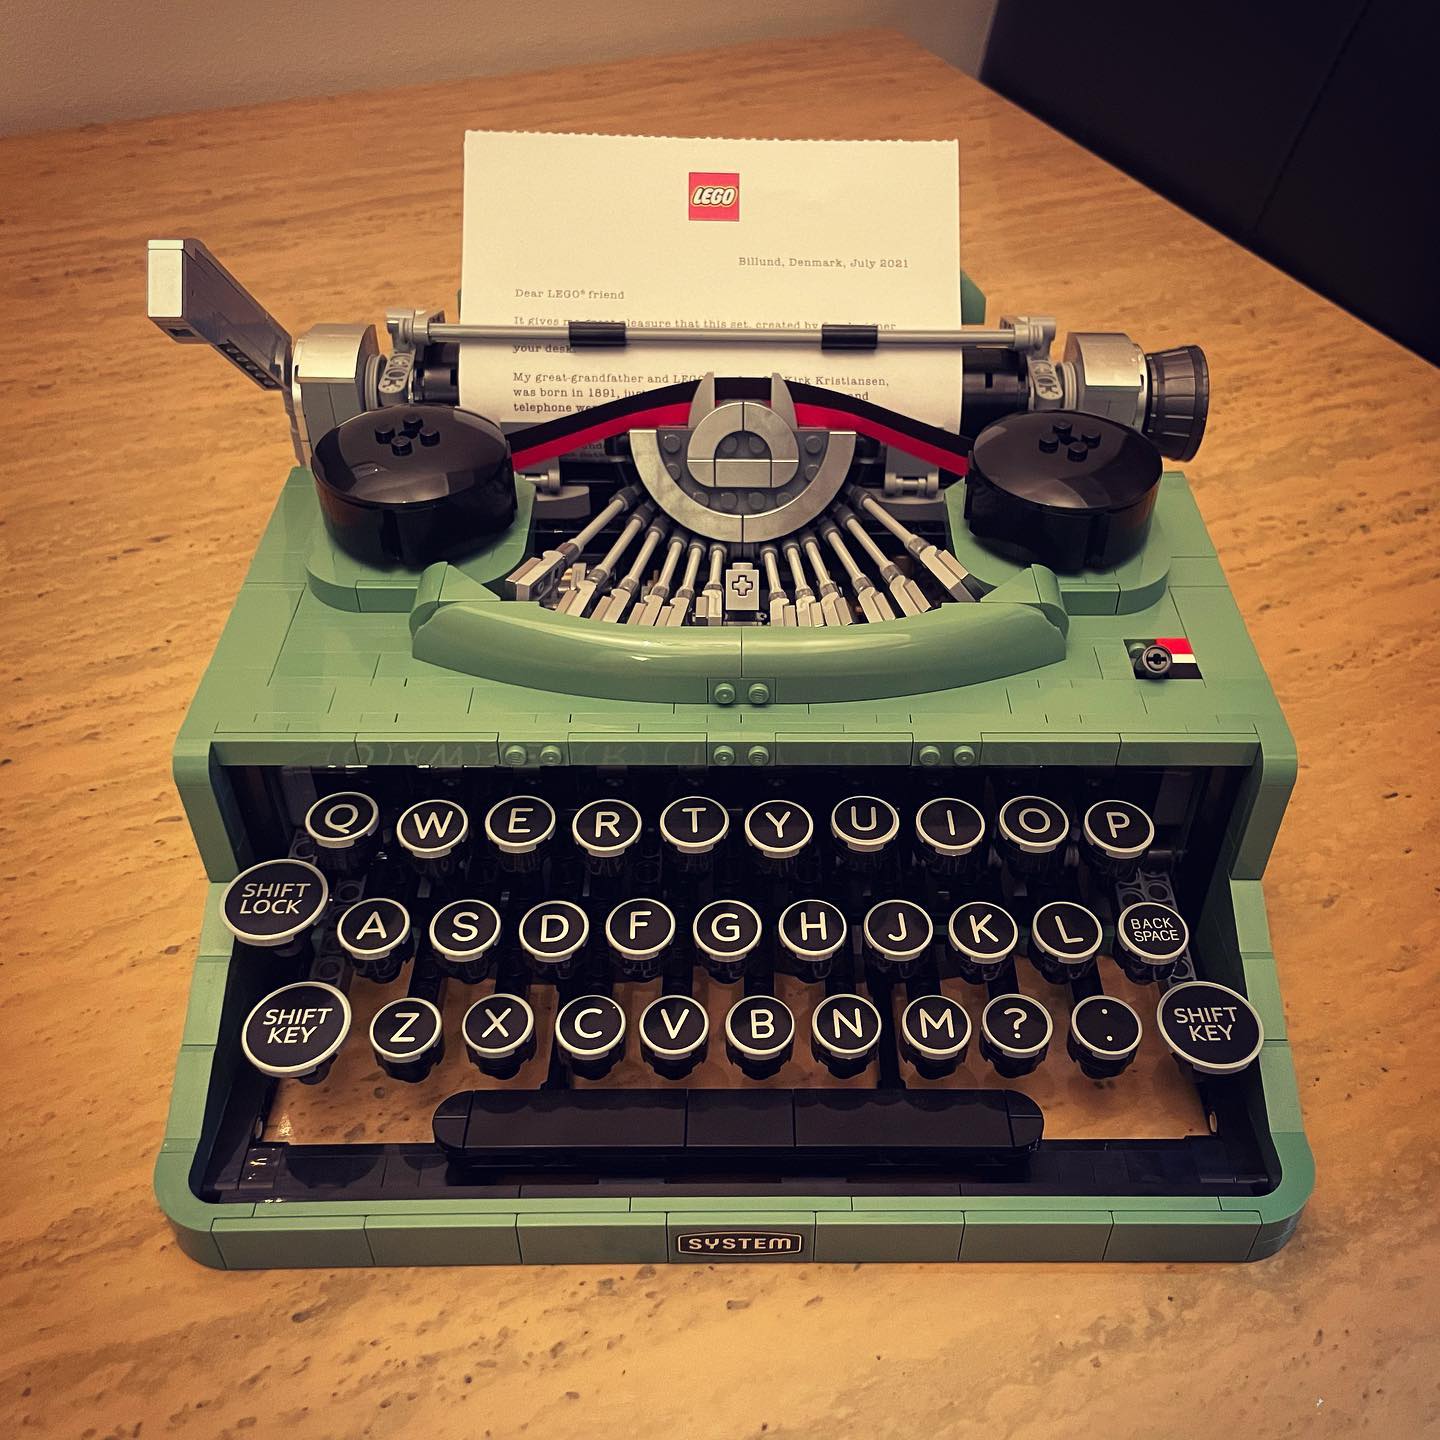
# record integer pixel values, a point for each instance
(783, 1129)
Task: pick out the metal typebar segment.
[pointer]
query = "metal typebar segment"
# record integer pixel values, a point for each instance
(873, 605)
(942, 565)
(906, 594)
(809, 613)
(837, 612)
(648, 611)
(535, 576)
(679, 608)
(782, 612)
(619, 600)
(710, 609)
(579, 600)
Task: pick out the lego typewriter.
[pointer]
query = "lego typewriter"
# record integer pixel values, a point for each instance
(736, 821)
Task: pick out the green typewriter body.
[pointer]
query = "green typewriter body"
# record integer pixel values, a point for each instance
(915, 918)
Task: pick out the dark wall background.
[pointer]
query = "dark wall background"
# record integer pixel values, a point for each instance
(1307, 132)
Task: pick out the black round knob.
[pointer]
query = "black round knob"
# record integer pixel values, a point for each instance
(1039, 488)
(1178, 400)
(387, 501)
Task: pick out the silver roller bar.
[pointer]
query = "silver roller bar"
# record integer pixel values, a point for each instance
(1022, 333)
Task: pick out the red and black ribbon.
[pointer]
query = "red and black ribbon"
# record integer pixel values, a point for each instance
(815, 408)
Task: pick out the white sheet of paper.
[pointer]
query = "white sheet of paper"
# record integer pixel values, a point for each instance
(672, 232)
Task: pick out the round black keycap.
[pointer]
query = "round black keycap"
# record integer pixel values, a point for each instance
(948, 827)
(779, 829)
(408, 1037)
(1210, 1027)
(499, 1033)
(552, 931)
(759, 1035)
(674, 1032)
(1033, 825)
(897, 932)
(694, 824)
(1014, 1034)
(1104, 1036)
(606, 828)
(1064, 939)
(811, 932)
(934, 1033)
(463, 931)
(431, 829)
(371, 929)
(983, 937)
(294, 1032)
(590, 1032)
(1117, 834)
(844, 1031)
(1149, 939)
(864, 824)
(272, 902)
(519, 823)
(637, 931)
(339, 822)
(725, 932)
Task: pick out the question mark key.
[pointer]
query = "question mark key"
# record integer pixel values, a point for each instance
(1015, 1033)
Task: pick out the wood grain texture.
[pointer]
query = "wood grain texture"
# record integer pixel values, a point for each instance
(137, 477)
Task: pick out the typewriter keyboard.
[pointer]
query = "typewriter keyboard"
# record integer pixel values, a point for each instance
(867, 960)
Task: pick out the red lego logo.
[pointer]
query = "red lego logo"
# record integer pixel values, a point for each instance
(714, 196)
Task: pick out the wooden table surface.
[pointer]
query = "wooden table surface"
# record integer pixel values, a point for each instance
(137, 477)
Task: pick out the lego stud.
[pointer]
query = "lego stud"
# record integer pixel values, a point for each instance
(758, 755)
(724, 755)
(551, 755)
(724, 693)
(759, 693)
(513, 755)
(1154, 662)
(964, 755)
(929, 755)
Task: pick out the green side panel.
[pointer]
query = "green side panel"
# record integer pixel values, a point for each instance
(277, 1241)
(1165, 1235)
(752, 1204)
(889, 1235)
(189, 1217)
(560, 1239)
(1035, 1234)
(442, 1239)
(972, 301)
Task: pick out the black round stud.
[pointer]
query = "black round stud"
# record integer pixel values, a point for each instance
(759, 1035)
(1015, 1033)
(844, 1031)
(295, 1031)
(271, 903)
(407, 1036)
(1064, 939)
(375, 933)
(462, 934)
(551, 933)
(639, 931)
(499, 1034)
(674, 1035)
(779, 829)
(934, 1034)
(431, 830)
(1210, 1027)
(1104, 1036)
(725, 933)
(1150, 939)
(590, 1033)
